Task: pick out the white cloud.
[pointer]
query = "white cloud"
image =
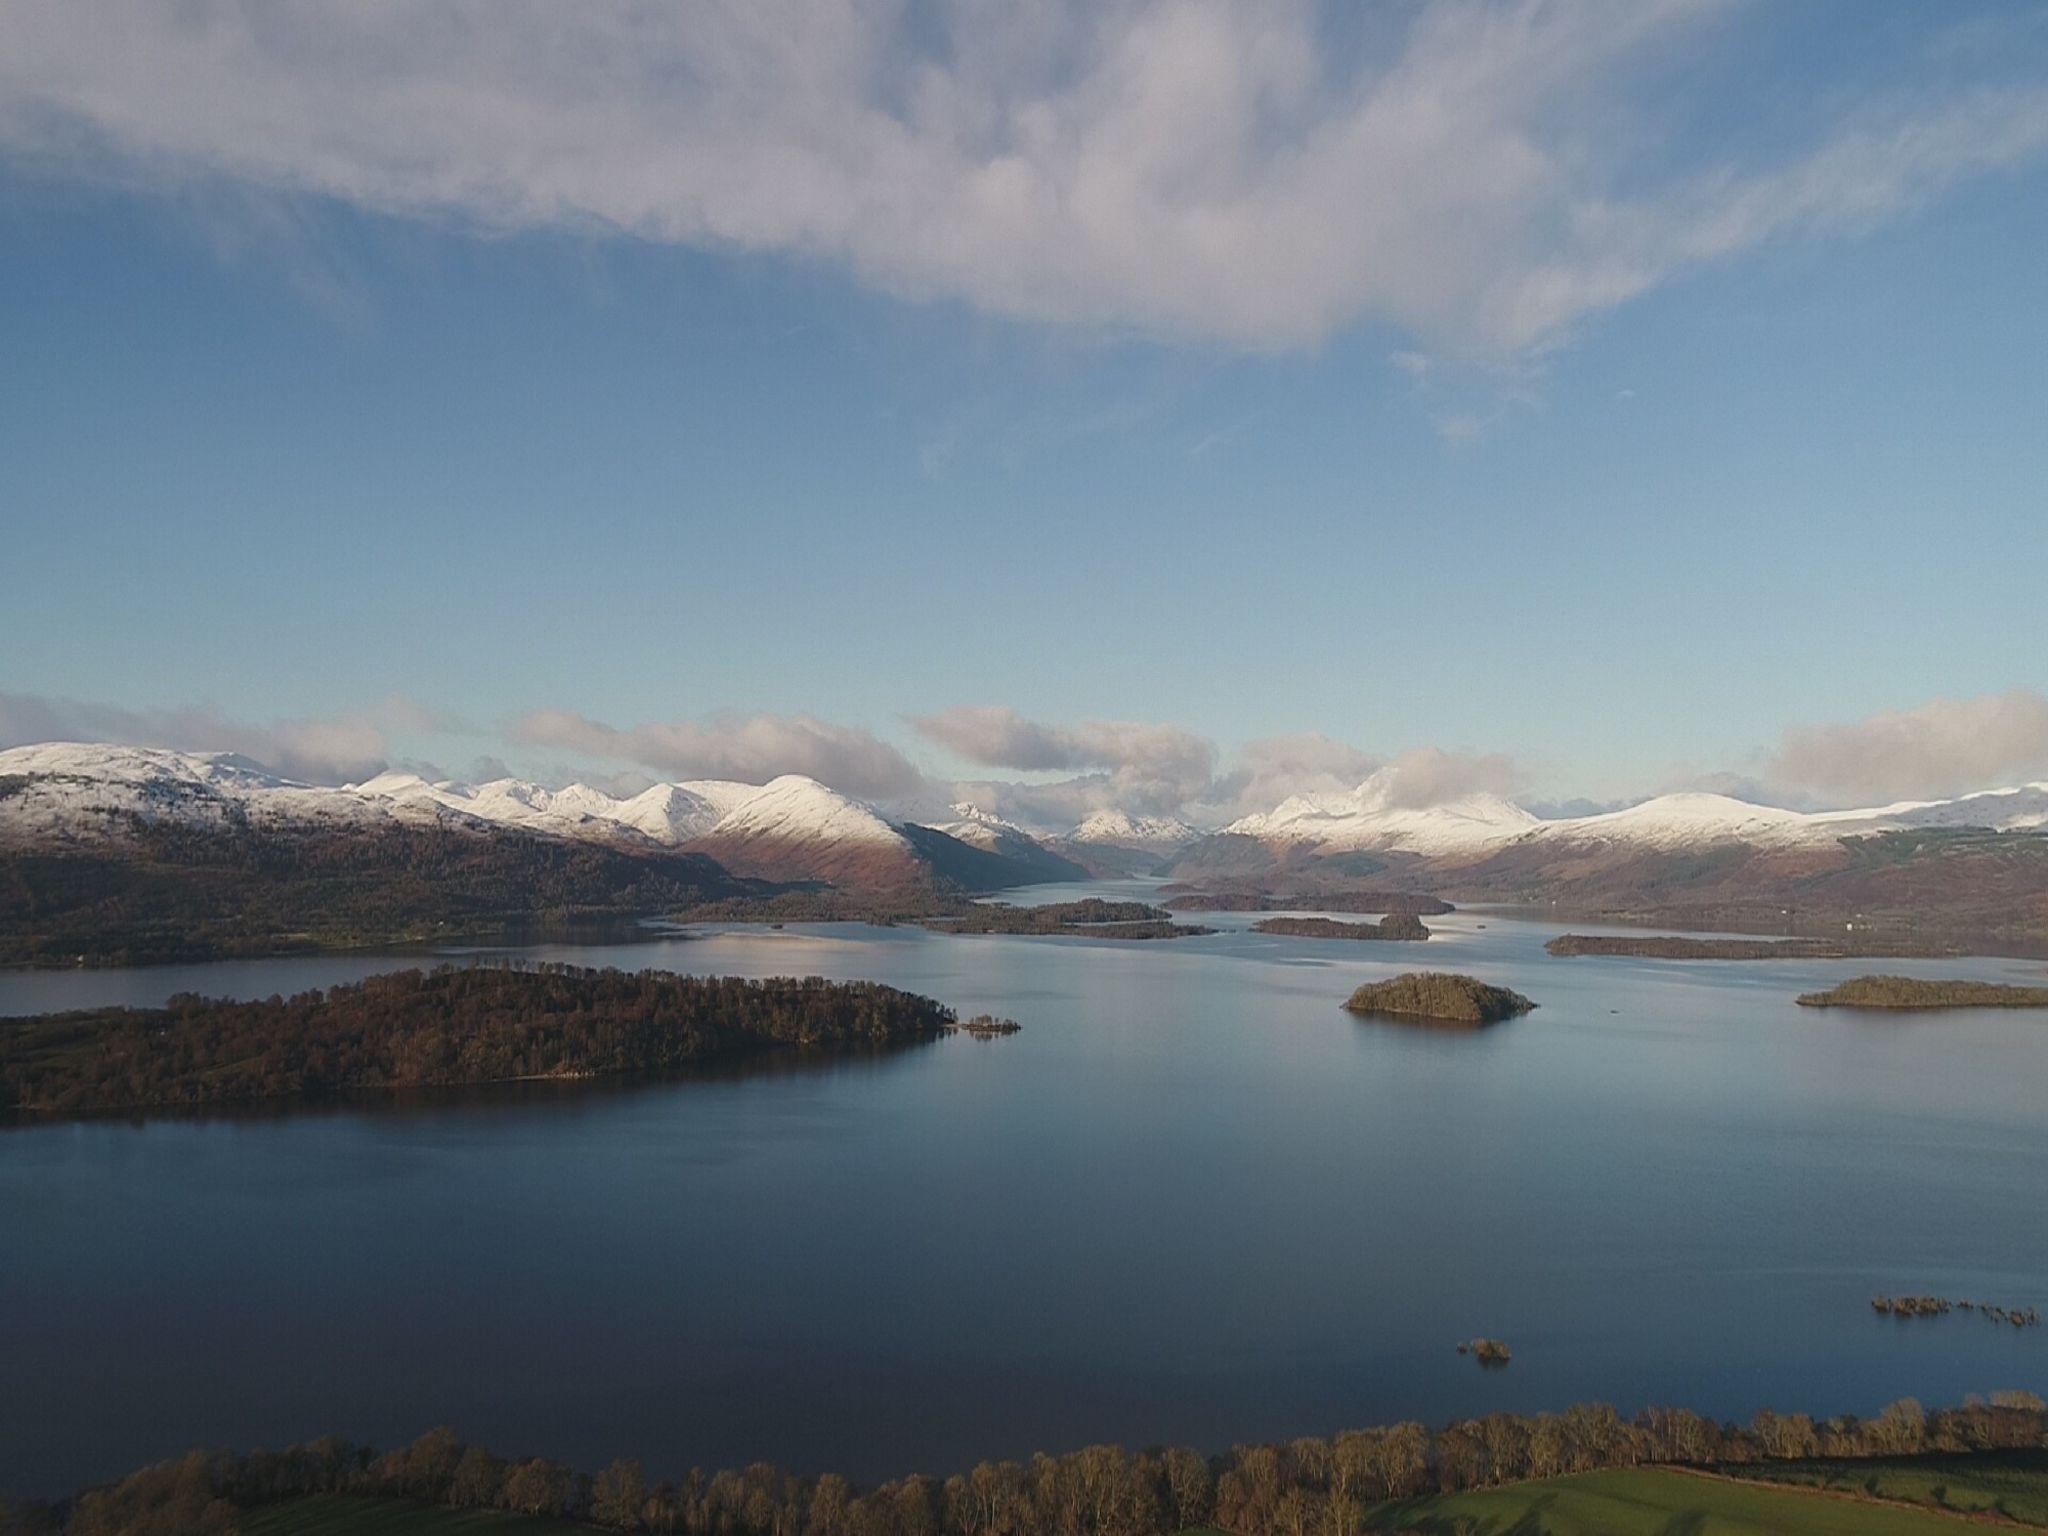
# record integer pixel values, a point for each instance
(322, 751)
(1259, 174)
(753, 748)
(1267, 771)
(1429, 776)
(1943, 747)
(997, 737)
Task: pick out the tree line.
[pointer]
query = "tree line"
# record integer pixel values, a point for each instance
(449, 1025)
(1305, 1487)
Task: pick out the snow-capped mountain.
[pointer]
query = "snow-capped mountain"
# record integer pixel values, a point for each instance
(70, 793)
(2023, 807)
(799, 829)
(1693, 820)
(1120, 829)
(667, 815)
(978, 828)
(990, 834)
(1482, 842)
(1690, 820)
(1367, 819)
(794, 828)
(1361, 820)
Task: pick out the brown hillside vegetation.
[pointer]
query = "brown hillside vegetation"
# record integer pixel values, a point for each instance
(1439, 996)
(1939, 890)
(1906, 992)
(176, 893)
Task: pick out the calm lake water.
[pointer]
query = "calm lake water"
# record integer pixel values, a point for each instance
(1192, 1202)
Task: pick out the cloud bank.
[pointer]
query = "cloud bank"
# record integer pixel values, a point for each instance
(333, 750)
(753, 748)
(1269, 770)
(1941, 748)
(1478, 173)
(1430, 776)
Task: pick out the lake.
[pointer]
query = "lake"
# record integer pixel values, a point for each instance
(1192, 1202)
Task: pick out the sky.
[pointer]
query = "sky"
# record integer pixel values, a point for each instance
(1154, 403)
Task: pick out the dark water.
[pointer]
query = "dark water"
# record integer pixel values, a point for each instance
(1193, 1201)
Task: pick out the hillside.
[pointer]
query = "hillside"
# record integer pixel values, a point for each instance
(168, 891)
(121, 854)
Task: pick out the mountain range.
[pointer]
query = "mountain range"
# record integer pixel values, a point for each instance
(78, 796)
(1692, 850)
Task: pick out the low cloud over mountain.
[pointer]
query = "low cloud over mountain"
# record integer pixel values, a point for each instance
(752, 748)
(1943, 747)
(318, 750)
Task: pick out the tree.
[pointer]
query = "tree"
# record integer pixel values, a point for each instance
(619, 1495)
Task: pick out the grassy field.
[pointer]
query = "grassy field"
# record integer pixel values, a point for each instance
(334, 1515)
(2013, 1485)
(1651, 1502)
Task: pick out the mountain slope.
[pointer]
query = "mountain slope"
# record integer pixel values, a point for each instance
(81, 794)
(796, 829)
(1373, 818)
(1034, 861)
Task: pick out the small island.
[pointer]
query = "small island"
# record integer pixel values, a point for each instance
(1905, 992)
(451, 1026)
(1397, 925)
(1438, 997)
(1941, 1306)
(1491, 1353)
(985, 1026)
(1092, 918)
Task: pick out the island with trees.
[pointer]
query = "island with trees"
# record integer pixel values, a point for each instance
(1491, 1353)
(1414, 903)
(1397, 925)
(443, 1027)
(1091, 918)
(1905, 992)
(1666, 1469)
(1438, 997)
(1674, 947)
(985, 1026)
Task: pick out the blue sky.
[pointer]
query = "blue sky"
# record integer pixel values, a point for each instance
(1745, 434)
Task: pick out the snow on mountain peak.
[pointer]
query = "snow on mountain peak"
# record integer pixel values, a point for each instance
(1362, 818)
(1687, 819)
(798, 808)
(1122, 829)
